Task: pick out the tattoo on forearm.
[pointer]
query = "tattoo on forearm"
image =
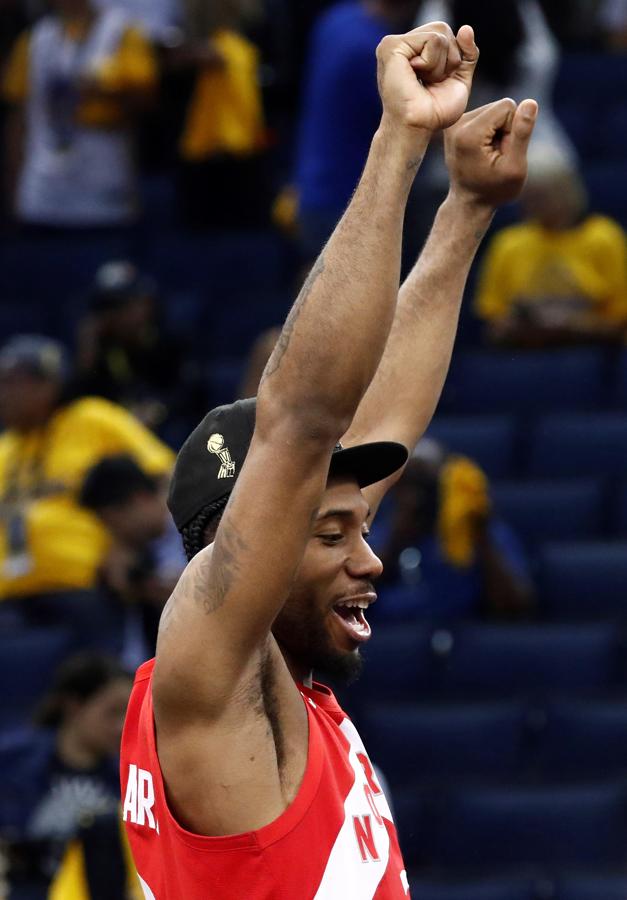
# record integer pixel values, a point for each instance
(284, 340)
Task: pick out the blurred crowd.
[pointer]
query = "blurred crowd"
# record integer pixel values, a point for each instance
(171, 168)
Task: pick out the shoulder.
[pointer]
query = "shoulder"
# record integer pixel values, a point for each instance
(514, 237)
(348, 28)
(604, 229)
(93, 409)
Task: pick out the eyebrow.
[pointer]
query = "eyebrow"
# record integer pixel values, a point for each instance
(340, 513)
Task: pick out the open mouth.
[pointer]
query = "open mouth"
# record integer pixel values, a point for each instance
(350, 614)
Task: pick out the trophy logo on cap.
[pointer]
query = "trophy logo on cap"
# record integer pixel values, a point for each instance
(215, 445)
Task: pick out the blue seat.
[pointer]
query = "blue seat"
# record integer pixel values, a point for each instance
(578, 445)
(414, 742)
(489, 440)
(591, 887)
(620, 385)
(620, 510)
(471, 889)
(398, 664)
(584, 738)
(413, 824)
(550, 510)
(553, 826)
(527, 382)
(27, 662)
(606, 181)
(499, 660)
(584, 579)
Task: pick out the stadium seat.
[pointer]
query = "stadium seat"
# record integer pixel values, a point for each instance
(498, 660)
(413, 742)
(620, 385)
(591, 887)
(413, 823)
(584, 579)
(399, 663)
(546, 510)
(488, 440)
(27, 663)
(527, 382)
(620, 510)
(584, 739)
(513, 825)
(471, 889)
(578, 445)
(605, 181)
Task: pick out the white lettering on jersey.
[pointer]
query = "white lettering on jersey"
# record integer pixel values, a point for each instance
(140, 798)
(360, 855)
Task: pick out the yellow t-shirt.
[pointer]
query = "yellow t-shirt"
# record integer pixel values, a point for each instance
(65, 544)
(527, 262)
(132, 67)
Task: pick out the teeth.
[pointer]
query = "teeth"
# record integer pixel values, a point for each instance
(357, 604)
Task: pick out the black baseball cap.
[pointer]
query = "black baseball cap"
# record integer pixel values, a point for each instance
(212, 457)
(37, 355)
(116, 283)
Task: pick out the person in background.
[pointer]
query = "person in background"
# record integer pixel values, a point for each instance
(60, 788)
(559, 277)
(340, 110)
(214, 70)
(147, 558)
(124, 352)
(51, 548)
(520, 57)
(76, 82)
(445, 555)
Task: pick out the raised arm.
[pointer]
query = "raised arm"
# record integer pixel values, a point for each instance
(486, 154)
(221, 613)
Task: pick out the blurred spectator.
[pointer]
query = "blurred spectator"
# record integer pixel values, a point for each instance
(75, 82)
(148, 556)
(158, 19)
(59, 804)
(519, 58)
(124, 351)
(51, 548)
(340, 110)
(222, 179)
(560, 276)
(445, 555)
(613, 16)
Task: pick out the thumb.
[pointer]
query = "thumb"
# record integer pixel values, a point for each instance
(469, 53)
(522, 128)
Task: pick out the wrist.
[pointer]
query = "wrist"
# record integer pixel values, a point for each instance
(406, 142)
(470, 207)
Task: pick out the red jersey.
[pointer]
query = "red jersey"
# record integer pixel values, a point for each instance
(335, 840)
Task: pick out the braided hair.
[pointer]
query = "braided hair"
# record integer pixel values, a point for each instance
(194, 533)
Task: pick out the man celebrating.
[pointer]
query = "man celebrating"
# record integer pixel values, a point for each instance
(240, 776)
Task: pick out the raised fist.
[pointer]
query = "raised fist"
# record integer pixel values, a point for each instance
(486, 151)
(425, 75)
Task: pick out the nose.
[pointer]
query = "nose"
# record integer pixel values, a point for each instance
(364, 562)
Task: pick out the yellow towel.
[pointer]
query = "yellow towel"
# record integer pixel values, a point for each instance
(225, 113)
(463, 498)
